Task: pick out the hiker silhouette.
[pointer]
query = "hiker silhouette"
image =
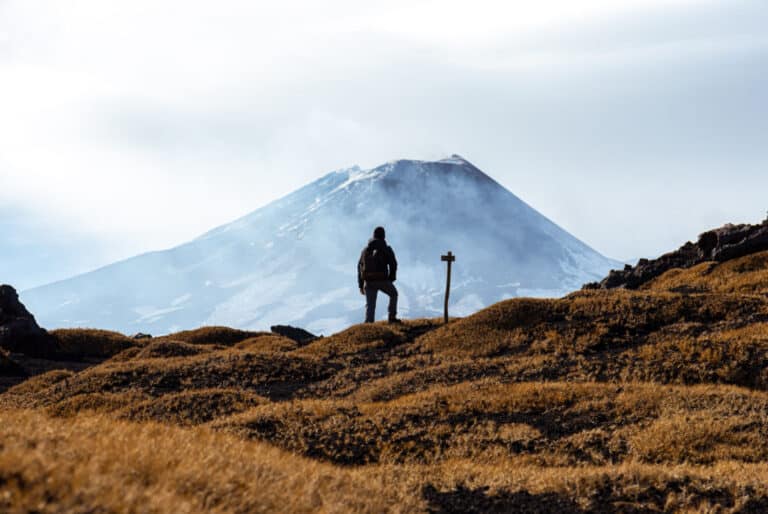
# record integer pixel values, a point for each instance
(376, 271)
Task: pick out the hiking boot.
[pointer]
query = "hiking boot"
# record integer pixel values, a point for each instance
(394, 320)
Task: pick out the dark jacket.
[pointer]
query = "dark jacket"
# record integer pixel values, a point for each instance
(378, 244)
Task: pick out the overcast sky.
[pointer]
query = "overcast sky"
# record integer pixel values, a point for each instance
(128, 126)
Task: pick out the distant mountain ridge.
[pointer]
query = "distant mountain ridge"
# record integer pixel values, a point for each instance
(294, 260)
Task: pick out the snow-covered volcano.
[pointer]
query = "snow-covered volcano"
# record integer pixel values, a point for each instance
(294, 260)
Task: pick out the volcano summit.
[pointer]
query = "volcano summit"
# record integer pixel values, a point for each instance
(294, 260)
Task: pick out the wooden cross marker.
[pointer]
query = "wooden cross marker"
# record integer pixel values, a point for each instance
(449, 259)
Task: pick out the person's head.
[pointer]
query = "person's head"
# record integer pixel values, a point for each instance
(378, 233)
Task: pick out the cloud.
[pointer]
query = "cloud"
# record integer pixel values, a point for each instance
(142, 124)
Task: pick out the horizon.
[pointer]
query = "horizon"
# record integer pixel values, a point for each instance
(136, 127)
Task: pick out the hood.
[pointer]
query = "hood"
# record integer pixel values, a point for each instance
(377, 244)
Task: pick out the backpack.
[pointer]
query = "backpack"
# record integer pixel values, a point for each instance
(375, 264)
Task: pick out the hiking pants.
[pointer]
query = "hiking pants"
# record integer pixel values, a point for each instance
(372, 288)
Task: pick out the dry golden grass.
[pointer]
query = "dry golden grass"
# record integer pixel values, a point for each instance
(93, 463)
(96, 464)
(213, 335)
(95, 402)
(29, 392)
(584, 321)
(272, 374)
(192, 407)
(267, 343)
(167, 348)
(548, 423)
(602, 401)
(81, 342)
(368, 341)
(747, 275)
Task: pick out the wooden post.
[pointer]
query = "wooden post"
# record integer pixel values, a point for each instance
(449, 259)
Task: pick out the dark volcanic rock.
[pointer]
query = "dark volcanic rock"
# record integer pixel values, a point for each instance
(10, 368)
(19, 332)
(720, 245)
(299, 335)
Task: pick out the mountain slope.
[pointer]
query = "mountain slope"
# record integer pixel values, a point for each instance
(294, 260)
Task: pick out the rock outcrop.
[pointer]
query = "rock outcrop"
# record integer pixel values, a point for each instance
(10, 368)
(720, 245)
(299, 335)
(19, 332)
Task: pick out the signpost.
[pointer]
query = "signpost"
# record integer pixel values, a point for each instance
(449, 259)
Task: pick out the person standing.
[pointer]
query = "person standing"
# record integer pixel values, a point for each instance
(376, 271)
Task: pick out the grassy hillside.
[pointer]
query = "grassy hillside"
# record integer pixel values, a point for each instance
(605, 400)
